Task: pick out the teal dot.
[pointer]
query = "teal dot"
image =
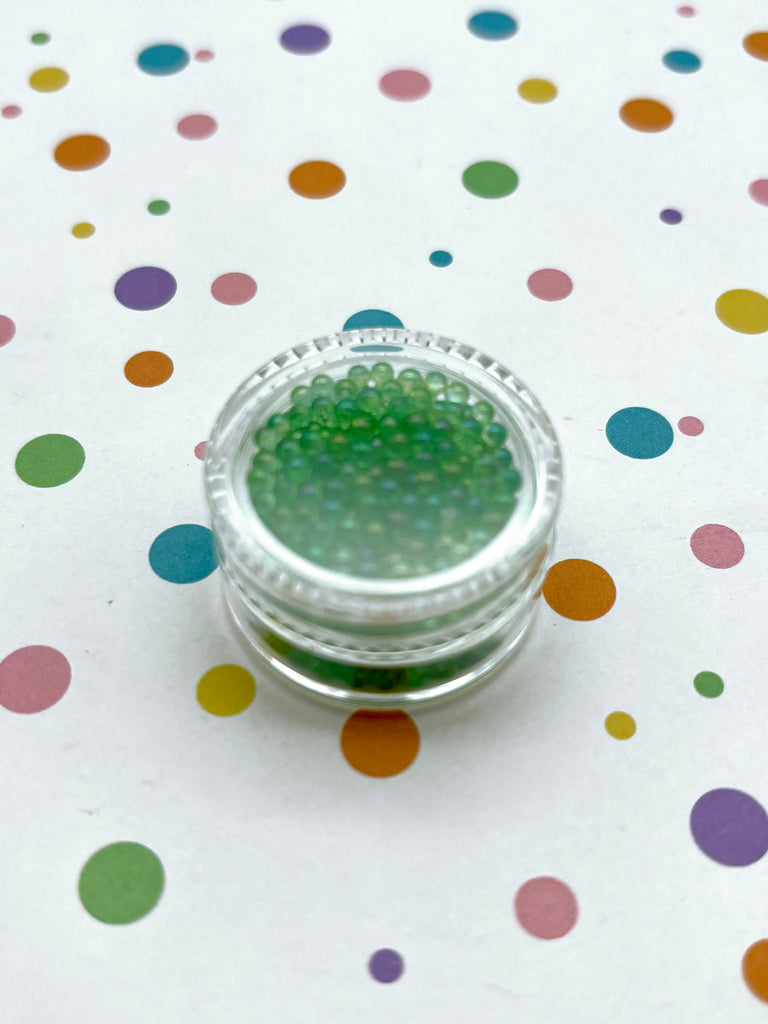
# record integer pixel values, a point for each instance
(708, 684)
(682, 61)
(163, 59)
(158, 207)
(40, 38)
(183, 554)
(639, 433)
(440, 258)
(371, 318)
(492, 25)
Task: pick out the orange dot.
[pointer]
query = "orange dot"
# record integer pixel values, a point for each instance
(756, 45)
(148, 369)
(646, 115)
(81, 152)
(754, 967)
(380, 743)
(317, 179)
(578, 589)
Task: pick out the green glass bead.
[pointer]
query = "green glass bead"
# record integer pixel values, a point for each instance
(494, 434)
(322, 385)
(267, 461)
(345, 411)
(300, 417)
(502, 458)
(312, 440)
(287, 448)
(369, 400)
(457, 391)
(435, 382)
(391, 389)
(511, 481)
(263, 501)
(322, 411)
(482, 412)
(297, 469)
(360, 375)
(382, 372)
(344, 388)
(420, 398)
(409, 378)
(362, 427)
(301, 396)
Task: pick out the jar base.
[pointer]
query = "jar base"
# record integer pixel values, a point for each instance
(370, 687)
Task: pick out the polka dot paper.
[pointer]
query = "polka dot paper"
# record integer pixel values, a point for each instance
(580, 193)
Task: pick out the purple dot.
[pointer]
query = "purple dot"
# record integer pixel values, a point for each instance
(145, 288)
(729, 826)
(305, 39)
(386, 965)
(671, 216)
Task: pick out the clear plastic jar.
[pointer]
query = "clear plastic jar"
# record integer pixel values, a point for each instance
(382, 642)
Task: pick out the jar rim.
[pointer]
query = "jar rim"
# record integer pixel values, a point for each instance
(243, 539)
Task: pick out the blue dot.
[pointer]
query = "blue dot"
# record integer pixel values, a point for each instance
(639, 433)
(440, 258)
(372, 318)
(681, 61)
(671, 216)
(183, 554)
(163, 59)
(492, 25)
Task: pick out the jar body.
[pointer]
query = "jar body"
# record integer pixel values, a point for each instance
(377, 642)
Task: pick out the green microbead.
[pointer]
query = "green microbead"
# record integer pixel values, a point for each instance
(363, 454)
(359, 375)
(323, 385)
(494, 435)
(267, 461)
(452, 411)
(391, 389)
(300, 417)
(484, 466)
(511, 481)
(362, 427)
(297, 469)
(263, 501)
(420, 398)
(503, 458)
(301, 396)
(338, 444)
(369, 400)
(457, 391)
(382, 372)
(482, 411)
(267, 439)
(409, 378)
(322, 411)
(435, 381)
(344, 389)
(345, 410)
(399, 408)
(312, 440)
(287, 448)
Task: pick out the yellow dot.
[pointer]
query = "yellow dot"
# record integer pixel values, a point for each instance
(48, 79)
(537, 90)
(620, 725)
(226, 690)
(83, 229)
(743, 310)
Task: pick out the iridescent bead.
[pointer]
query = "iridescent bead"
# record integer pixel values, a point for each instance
(322, 385)
(359, 375)
(494, 434)
(370, 401)
(345, 411)
(482, 411)
(409, 378)
(301, 396)
(322, 411)
(382, 372)
(435, 381)
(457, 391)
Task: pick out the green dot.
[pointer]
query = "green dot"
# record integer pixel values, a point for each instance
(708, 684)
(121, 883)
(40, 38)
(158, 207)
(50, 460)
(490, 179)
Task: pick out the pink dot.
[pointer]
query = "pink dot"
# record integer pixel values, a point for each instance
(233, 289)
(405, 84)
(204, 55)
(11, 111)
(758, 190)
(7, 330)
(717, 546)
(690, 425)
(686, 11)
(550, 285)
(546, 907)
(33, 679)
(200, 449)
(196, 126)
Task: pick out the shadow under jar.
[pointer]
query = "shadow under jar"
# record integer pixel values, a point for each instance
(383, 504)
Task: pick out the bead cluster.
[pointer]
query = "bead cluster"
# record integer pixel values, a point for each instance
(381, 476)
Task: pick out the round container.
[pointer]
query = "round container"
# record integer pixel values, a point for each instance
(382, 642)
